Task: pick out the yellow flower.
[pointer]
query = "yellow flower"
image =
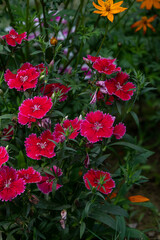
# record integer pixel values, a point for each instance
(149, 3)
(107, 8)
(144, 23)
(53, 41)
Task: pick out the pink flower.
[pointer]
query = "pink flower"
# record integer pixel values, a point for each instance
(36, 147)
(118, 86)
(56, 87)
(29, 175)
(45, 185)
(3, 155)
(91, 58)
(7, 133)
(10, 185)
(102, 181)
(73, 127)
(13, 37)
(97, 126)
(119, 130)
(104, 65)
(35, 108)
(45, 123)
(23, 80)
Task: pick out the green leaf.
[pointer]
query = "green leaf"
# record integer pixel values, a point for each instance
(36, 52)
(121, 227)
(134, 233)
(21, 160)
(135, 117)
(7, 116)
(130, 145)
(82, 229)
(101, 159)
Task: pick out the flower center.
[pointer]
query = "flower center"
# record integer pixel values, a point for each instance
(23, 78)
(36, 107)
(13, 36)
(119, 87)
(107, 6)
(42, 145)
(97, 126)
(7, 183)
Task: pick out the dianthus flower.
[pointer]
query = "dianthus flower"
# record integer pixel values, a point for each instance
(56, 87)
(144, 23)
(45, 185)
(97, 125)
(7, 133)
(10, 185)
(29, 175)
(119, 130)
(3, 155)
(73, 127)
(32, 109)
(118, 86)
(40, 67)
(107, 66)
(149, 4)
(107, 8)
(36, 147)
(91, 59)
(102, 181)
(13, 37)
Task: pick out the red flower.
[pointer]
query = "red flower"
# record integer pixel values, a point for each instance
(13, 37)
(45, 185)
(118, 86)
(119, 130)
(10, 185)
(91, 58)
(102, 181)
(34, 108)
(29, 175)
(25, 120)
(7, 133)
(97, 126)
(3, 155)
(39, 68)
(23, 80)
(36, 147)
(55, 87)
(104, 65)
(73, 127)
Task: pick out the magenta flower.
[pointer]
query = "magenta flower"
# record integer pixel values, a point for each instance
(29, 175)
(106, 65)
(91, 59)
(10, 185)
(13, 37)
(97, 126)
(102, 181)
(119, 130)
(35, 108)
(3, 155)
(119, 86)
(36, 147)
(45, 185)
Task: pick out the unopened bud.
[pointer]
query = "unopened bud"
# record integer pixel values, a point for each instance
(53, 41)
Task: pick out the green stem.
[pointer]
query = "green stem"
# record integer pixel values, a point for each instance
(27, 29)
(105, 34)
(45, 21)
(10, 13)
(79, 55)
(38, 14)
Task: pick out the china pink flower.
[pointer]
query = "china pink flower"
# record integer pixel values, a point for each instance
(119, 130)
(73, 127)
(29, 175)
(55, 87)
(36, 147)
(3, 155)
(97, 125)
(10, 185)
(91, 59)
(45, 185)
(102, 181)
(13, 37)
(107, 66)
(119, 86)
(35, 108)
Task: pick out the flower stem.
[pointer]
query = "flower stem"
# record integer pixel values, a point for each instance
(27, 29)
(10, 12)
(105, 34)
(38, 14)
(45, 21)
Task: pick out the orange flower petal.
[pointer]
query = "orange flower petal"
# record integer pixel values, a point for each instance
(138, 199)
(96, 6)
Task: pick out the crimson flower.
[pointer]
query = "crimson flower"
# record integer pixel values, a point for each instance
(73, 127)
(119, 130)
(102, 181)
(3, 155)
(91, 59)
(45, 185)
(13, 37)
(105, 65)
(39, 68)
(10, 185)
(32, 109)
(55, 87)
(36, 147)
(97, 126)
(117, 86)
(29, 175)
